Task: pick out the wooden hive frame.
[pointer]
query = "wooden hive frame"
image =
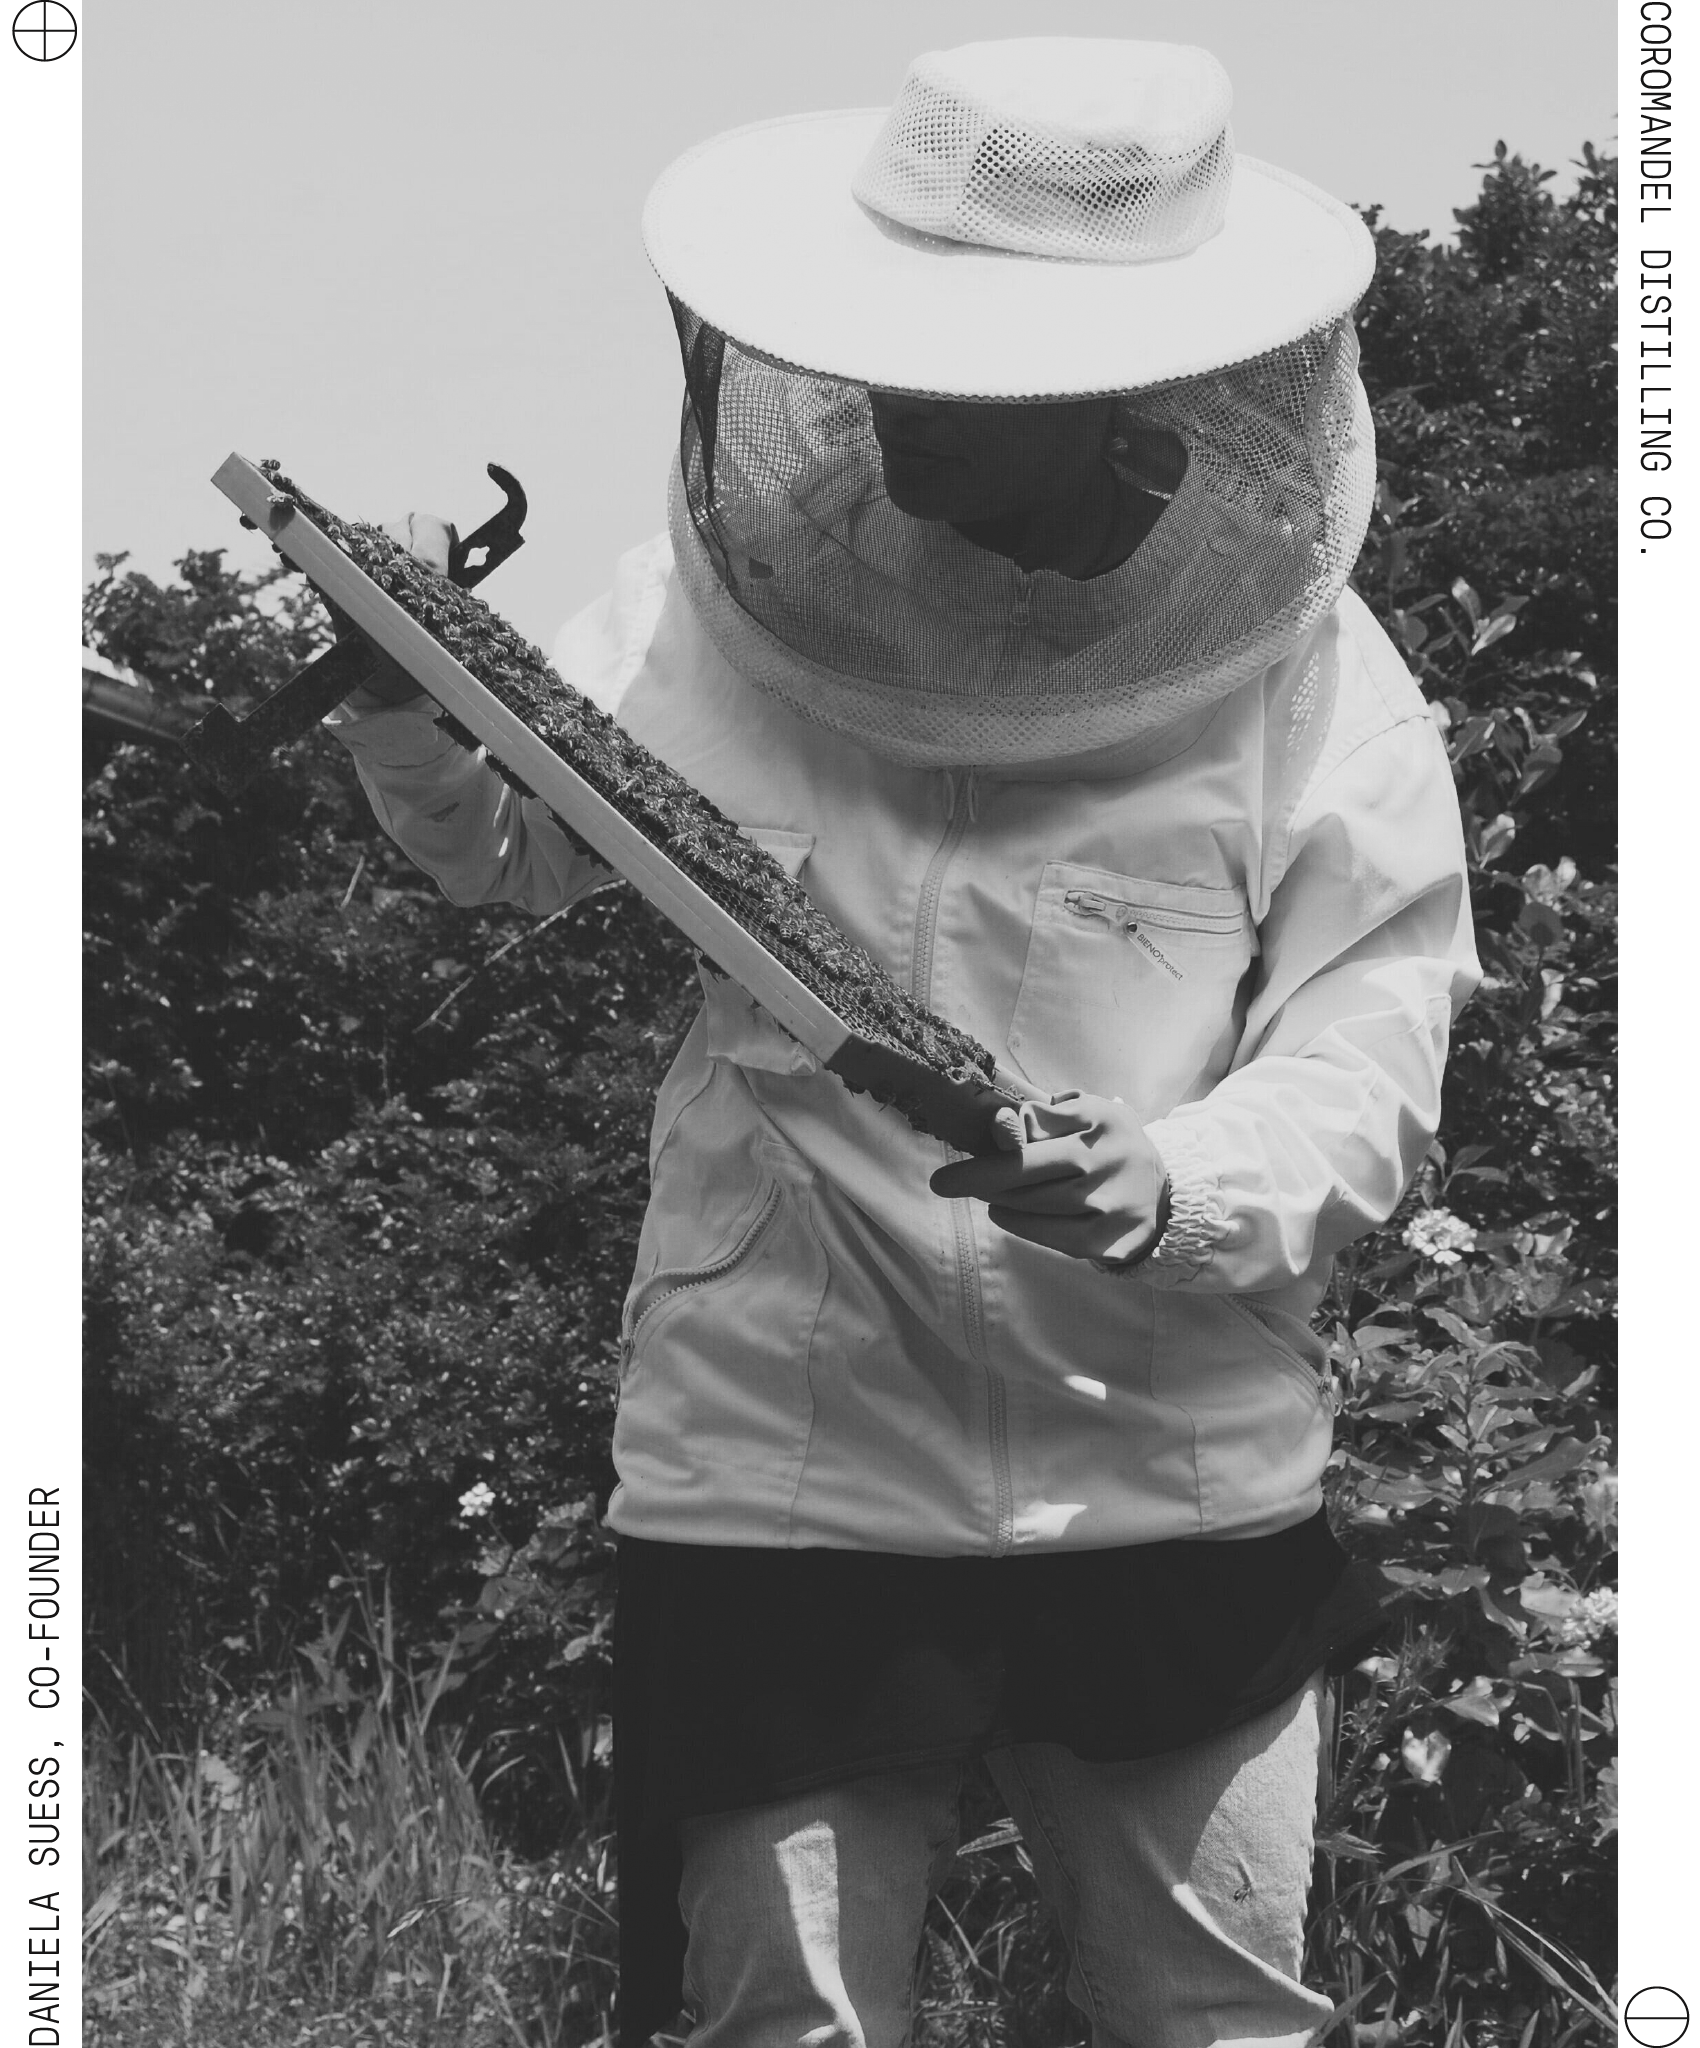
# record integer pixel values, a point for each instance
(841, 1006)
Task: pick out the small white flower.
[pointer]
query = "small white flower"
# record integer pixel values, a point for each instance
(1576, 1619)
(477, 1500)
(1438, 1235)
(1599, 1609)
(1425, 1755)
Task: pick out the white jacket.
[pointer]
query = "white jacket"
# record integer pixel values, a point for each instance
(1255, 928)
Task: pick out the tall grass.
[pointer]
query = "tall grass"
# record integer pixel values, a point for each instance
(330, 1878)
(992, 1965)
(337, 1885)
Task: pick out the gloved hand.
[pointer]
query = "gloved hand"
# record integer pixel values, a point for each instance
(428, 539)
(1077, 1173)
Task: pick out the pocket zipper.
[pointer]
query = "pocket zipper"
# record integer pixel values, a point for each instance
(1090, 903)
(1319, 1381)
(662, 1287)
(1127, 917)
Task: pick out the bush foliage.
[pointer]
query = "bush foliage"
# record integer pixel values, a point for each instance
(364, 1173)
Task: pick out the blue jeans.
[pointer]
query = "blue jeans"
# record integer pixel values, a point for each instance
(1178, 1883)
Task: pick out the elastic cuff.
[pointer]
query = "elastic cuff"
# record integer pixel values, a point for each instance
(1198, 1218)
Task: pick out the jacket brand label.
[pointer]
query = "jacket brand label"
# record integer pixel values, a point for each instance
(1162, 959)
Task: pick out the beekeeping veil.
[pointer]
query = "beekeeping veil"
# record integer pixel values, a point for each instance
(1039, 219)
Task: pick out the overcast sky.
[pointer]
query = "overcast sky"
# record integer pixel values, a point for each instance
(392, 241)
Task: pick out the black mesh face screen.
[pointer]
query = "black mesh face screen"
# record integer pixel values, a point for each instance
(704, 349)
(909, 632)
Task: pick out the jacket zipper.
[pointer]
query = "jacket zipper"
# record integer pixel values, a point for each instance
(660, 1287)
(964, 804)
(962, 801)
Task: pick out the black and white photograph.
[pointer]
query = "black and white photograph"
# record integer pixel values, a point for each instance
(849, 1024)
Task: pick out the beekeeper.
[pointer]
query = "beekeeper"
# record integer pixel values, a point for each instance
(1004, 600)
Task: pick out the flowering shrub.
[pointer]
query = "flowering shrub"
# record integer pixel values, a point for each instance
(1464, 1877)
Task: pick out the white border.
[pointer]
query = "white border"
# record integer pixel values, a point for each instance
(41, 175)
(1661, 1405)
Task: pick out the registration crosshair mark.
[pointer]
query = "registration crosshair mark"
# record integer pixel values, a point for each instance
(1656, 2017)
(44, 30)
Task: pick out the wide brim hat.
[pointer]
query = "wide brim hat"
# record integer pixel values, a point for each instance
(1035, 218)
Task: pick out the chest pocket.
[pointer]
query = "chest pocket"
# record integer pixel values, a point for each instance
(1131, 988)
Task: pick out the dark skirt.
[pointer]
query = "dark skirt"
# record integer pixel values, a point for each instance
(741, 1676)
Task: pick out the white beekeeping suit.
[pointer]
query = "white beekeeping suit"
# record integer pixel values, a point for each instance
(1004, 599)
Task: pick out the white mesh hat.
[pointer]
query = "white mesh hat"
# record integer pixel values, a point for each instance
(905, 248)
(1035, 220)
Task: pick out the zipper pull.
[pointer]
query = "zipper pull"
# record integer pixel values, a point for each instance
(1089, 903)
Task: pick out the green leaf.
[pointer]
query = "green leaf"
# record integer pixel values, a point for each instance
(1565, 1663)
(1563, 1457)
(1369, 1337)
(1491, 630)
(1480, 1701)
(1542, 922)
(1475, 734)
(1353, 1847)
(1495, 837)
(1398, 1490)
